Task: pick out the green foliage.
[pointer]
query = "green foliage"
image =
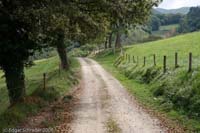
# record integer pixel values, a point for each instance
(82, 51)
(77, 52)
(178, 89)
(20, 37)
(132, 13)
(135, 35)
(192, 21)
(27, 26)
(158, 20)
(154, 23)
(169, 19)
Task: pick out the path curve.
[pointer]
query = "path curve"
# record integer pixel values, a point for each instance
(103, 99)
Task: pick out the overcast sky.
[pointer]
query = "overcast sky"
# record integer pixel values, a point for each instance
(173, 4)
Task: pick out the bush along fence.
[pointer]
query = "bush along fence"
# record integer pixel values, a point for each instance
(135, 59)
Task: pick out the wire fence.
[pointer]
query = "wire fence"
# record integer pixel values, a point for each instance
(166, 62)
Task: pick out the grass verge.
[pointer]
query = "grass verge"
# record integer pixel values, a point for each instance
(58, 84)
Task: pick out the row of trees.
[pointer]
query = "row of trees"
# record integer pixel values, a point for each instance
(191, 22)
(158, 20)
(187, 23)
(27, 26)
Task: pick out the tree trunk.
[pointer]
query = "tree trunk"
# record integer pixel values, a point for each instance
(63, 56)
(61, 49)
(110, 41)
(106, 43)
(15, 81)
(118, 40)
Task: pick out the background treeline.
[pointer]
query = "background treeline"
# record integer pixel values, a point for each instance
(158, 20)
(187, 22)
(191, 21)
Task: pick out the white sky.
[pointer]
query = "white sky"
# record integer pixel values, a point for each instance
(173, 4)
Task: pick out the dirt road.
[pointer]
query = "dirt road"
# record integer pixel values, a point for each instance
(105, 106)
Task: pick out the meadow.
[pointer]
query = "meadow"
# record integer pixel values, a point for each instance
(183, 45)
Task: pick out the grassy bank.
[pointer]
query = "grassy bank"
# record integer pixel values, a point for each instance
(58, 84)
(182, 44)
(175, 93)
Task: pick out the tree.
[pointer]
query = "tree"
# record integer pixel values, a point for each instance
(191, 22)
(26, 26)
(110, 40)
(125, 14)
(168, 19)
(73, 21)
(193, 18)
(154, 23)
(19, 39)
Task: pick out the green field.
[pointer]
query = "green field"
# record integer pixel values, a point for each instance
(175, 93)
(182, 44)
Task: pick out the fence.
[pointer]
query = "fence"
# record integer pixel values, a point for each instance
(128, 59)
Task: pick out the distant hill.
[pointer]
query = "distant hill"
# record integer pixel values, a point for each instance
(183, 10)
(154, 11)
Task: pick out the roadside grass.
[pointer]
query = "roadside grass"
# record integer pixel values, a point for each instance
(133, 78)
(58, 84)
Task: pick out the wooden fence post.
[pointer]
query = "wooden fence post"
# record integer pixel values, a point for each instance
(44, 81)
(154, 60)
(165, 64)
(176, 60)
(133, 59)
(144, 61)
(190, 62)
